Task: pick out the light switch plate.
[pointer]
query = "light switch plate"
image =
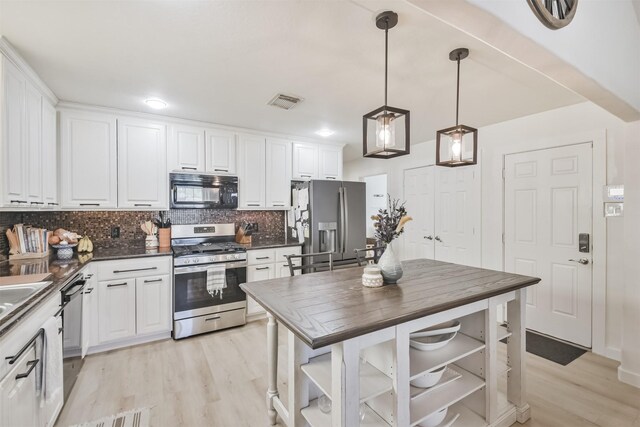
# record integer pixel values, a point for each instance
(613, 209)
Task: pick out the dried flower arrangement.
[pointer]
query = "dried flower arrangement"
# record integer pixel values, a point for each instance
(389, 223)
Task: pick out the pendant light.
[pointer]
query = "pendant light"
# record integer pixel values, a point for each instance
(385, 130)
(457, 145)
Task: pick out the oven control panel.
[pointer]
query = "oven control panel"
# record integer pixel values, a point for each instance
(209, 259)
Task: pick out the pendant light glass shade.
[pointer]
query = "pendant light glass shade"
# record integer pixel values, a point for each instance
(457, 145)
(385, 130)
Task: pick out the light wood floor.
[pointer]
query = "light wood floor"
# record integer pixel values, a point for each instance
(218, 380)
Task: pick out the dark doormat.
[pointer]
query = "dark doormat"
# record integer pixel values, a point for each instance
(554, 350)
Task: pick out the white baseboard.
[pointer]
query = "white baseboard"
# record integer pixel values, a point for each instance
(129, 342)
(628, 377)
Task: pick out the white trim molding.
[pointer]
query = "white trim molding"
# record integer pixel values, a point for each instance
(12, 54)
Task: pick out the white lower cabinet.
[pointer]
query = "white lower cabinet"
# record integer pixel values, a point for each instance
(19, 397)
(265, 264)
(117, 309)
(153, 305)
(133, 304)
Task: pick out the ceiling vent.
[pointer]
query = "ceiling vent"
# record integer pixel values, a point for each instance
(286, 102)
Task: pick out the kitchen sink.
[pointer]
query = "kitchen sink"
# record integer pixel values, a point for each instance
(11, 296)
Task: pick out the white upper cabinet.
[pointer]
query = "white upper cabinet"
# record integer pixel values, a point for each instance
(251, 168)
(88, 161)
(220, 149)
(49, 156)
(278, 173)
(34, 146)
(305, 160)
(13, 140)
(329, 162)
(187, 149)
(143, 181)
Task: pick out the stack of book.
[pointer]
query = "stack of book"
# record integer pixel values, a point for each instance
(26, 241)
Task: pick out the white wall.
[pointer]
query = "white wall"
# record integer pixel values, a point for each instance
(629, 371)
(529, 132)
(602, 41)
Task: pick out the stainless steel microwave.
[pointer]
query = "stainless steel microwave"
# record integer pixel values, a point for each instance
(190, 191)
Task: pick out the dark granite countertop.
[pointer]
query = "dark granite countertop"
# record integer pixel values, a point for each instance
(269, 244)
(61, 271)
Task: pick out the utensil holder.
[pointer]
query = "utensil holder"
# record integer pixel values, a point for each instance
(151, 242)
(164, 237)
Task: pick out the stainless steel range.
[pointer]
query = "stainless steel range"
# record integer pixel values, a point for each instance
(208, 270)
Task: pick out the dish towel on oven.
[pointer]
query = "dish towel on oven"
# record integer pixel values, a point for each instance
(216, 280)
(52, 363)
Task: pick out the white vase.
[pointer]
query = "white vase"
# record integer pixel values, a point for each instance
(390, 265)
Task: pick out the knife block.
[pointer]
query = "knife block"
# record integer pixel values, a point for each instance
(242, 238)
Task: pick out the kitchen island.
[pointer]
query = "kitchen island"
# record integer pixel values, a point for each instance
(351, 344)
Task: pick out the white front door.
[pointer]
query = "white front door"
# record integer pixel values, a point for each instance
(548, 197)
(418, 194)
(457, 215)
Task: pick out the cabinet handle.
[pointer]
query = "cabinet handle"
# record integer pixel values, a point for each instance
(253, 204)
(88, 291)
(152, 281)
(331, 177)
(278, 204)
(305, 176)
(189, 169)
(263, 257)
(52, 204)
(89, 204)
(18, 201)
(221, 170)
(142, 204)
(134, 269)
(37, 203)
(32, 365)
(212, 318)
(262, 268)
(113, 285)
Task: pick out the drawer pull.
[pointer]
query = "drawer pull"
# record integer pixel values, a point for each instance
(18, 201)
(263, 257)
(89, 204)
(262, 268)
(134, 269)
(142, 204)
(32, 365)
(52, 204)
(113, 285)
(278, 204)
(253, 204)
(37, 203)
(189, 169)
(153, 281)
(212, 318)
(88, 291)
(305, 176)
(221, 170)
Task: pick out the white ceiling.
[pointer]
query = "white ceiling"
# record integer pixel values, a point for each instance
(221, 61)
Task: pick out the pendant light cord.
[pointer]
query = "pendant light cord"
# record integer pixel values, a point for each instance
(458, 91)
(386, 57)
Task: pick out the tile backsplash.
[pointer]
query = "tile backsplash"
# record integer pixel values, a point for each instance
(97, 224)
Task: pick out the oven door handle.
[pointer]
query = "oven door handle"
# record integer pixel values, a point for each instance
(228, 265)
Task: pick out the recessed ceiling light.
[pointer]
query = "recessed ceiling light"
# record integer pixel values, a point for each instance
(324, 132)
(155, 103)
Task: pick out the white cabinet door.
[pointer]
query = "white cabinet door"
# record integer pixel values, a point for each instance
(220, 149)
(19, 397)
(88, 160)
(14, 178)
(330, 162)
(254, 274)
(305, 160)
(278, 173)
(251, 172)
(116, 309)
(187, 148)
(34, 146)
(153, 304)
(143, 181)
(49, 156)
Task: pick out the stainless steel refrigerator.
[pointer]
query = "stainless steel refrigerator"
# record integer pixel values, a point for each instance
(329, 216)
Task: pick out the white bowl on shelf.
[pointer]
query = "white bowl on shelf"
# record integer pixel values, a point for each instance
(429, 379)
(434, 419)
(432, 342)
(442, 328)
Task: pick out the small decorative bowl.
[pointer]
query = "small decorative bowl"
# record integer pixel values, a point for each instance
(65, 251)
(372, 278)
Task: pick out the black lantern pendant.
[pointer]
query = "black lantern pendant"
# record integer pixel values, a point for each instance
(457, 145)
(385, 130)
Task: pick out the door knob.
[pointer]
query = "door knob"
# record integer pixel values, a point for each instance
(428, 237)
(438, 239)
(582, 261)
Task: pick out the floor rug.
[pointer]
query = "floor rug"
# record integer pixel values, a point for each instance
(134, 418)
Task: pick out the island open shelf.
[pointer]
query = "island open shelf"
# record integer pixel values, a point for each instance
(352, 344)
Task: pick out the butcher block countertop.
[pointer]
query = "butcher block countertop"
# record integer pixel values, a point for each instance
(330, 307)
